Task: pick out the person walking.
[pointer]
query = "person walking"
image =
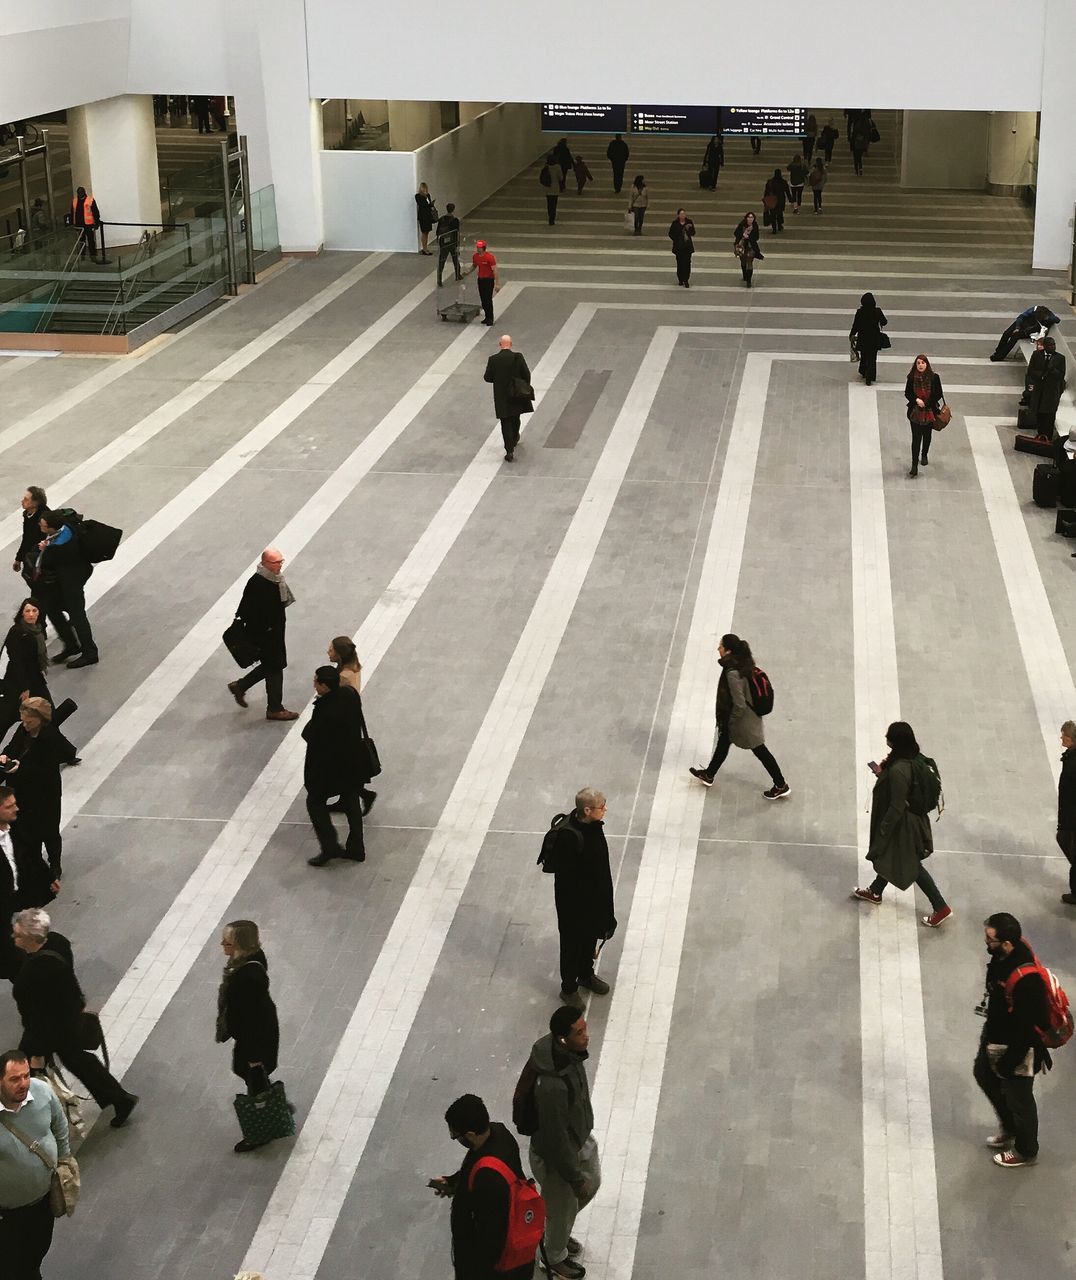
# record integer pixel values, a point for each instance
(31, 766)
(827, 138)
(638, 202)
(582, 173)
(63, 570)
(775, 196)
(797, 177)
(900, 835)
(261, 610)
(34, 505)
(866, 336)
(1066, 807)
(86, 216)
(246, 1014)
(549, 178)
(617, 154)
(51, 1006)
(25, 879)
(1045, 391)
(427, 216)
(563, 1152)
(1011, 1053)
(334, 766)
(810, 135)
(448, 242)
(738, 723)
(583, 891)
(489, 280)
(713, 160)
(923, 391)
(563, 155)
(481, 1192)
(200, 108)
(345, 657)
(682, 235)
(817, 179)
(859, 137)
(27, 662)
(745, 246)
(31, 1106)
(508, 372)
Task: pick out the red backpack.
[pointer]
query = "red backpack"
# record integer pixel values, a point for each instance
(526, 1215)
(1059, 1025)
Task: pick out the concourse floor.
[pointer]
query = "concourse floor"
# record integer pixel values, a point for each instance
(782, 1077)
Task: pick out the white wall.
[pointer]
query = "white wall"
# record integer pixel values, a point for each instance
(181, 49)
(1056, 189)
(369, 200)
(970, 54)
(945, 149)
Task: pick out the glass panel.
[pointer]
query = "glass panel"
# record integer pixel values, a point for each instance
(263, 220)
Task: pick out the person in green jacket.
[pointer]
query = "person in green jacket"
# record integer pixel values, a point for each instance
(900, 839)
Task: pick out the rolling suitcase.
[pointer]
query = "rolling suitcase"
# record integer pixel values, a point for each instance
(1065, 524)
(1045, 485)
(1032, 444)
(704, 178)
(1025, 419)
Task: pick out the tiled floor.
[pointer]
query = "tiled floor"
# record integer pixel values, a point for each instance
(782, 1084)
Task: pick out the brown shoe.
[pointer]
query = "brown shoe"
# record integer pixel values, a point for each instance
(236, 690)
(282, 714)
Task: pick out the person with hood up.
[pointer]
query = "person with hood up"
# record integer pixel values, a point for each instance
(866, 336)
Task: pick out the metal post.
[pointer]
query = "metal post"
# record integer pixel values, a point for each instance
(190, 252)
(24, 183)
(248, 219)
(1072, 266)
(229, 230)
(49, 194)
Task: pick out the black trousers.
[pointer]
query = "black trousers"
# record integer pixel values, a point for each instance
(756, 146)
(857, 160)
(274, 685)
(817, 193)
(89, 234)
(618, 177)
(683, 267)
(797, 195)
(510, 432)
(808, 147)
(1009, 339)
(443, 256)
(924, 880)
(762, 754)
(747, 267)
(576, 958)
(350, 804)
(921, 435)
(85, 1066)
(1014, 1102)
(827, 149)
(25, 1239)
(485, 292)
(65, 608)
(551, 209)
(1066, 842)
(868, 364)
(639, 215)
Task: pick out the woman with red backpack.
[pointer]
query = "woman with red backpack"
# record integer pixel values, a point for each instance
(744, 696)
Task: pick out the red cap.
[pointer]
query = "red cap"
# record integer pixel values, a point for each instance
(480, 244)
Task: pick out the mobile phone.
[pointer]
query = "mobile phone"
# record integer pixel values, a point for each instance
(872, 765)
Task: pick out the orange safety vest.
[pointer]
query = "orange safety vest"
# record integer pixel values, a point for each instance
(87, 211)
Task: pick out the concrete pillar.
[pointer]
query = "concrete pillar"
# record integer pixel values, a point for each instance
(413, 124)
(1012, 146)
(114, 156)
(1055, 187)
(469, 110)
(945, 149)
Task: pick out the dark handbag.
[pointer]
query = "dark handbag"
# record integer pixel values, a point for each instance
(943, 417)
(521, 389)
(239, 644)
(265, 1116)
(369, 760)
(884, 341)
(875, 136)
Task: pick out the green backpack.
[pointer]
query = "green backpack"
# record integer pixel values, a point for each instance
(926, 794)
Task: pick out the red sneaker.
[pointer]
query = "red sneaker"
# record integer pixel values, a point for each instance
(1012, 1160)
(865, 895)
(937, 918)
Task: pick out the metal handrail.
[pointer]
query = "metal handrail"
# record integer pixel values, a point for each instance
(77, 250)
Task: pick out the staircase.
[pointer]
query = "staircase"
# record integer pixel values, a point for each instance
(68, 315)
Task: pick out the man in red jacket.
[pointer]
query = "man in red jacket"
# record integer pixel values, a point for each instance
(489, 281)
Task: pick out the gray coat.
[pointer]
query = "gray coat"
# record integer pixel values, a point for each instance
(745, 725)
(565, 1116)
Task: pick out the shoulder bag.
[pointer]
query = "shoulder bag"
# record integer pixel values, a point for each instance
(239, 644)
(66, 1181)
(943, 417)
(370, 761)
(884, 341)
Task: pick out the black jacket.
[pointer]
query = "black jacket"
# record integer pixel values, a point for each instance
(715, 155)
(48, 997)
(682, 235)
(36, 782)
(34, 876)
(250, 1017)
(1066, 792)
(563, 154)
(502, 370)
(933, 400)
(752, 237)
(1015, 1029)
(262, 612)
(867, 326)
(583, 881)
(426, 211)
(65, 564)
(448, 232)
(31, 536)
(617, 153)
(1044, 392)
(332, 737)
(23, 672)
(780, 189)
(480, 1216)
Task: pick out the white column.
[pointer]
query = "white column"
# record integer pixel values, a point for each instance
(1056, 182)
(413, 124)
(114, 156)
(1012, 147)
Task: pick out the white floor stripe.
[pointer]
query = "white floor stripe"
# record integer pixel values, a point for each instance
(628, 1081)
(62, 490)
(900, 1191)
(296, 1227)
(18, 364)
(1045, 657)
(769, 286)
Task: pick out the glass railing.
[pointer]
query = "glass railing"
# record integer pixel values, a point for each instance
(263, 220)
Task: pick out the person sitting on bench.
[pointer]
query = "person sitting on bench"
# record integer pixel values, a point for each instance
(1026, 323)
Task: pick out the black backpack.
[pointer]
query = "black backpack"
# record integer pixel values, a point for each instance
(98, 541)
(926, 793)
(524, 1103)
(545, 177)
(547, 859)
(761, 691)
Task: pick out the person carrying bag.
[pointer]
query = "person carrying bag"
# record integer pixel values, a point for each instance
(66, 1180)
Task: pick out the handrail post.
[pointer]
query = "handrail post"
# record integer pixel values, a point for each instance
(104, 256)
(229, 229)
(24, 183)
(190, 251)
(49, 194)
(248, 221)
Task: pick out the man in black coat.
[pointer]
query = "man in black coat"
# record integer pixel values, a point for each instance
(583, 890)
(34, 506)
(1066, 807)
(507, 370)
(25, 879)
(64, 569)
(261, 610)
(617, 154)
(480, 1199)
(1045, 387)
(1026, 323)
(51, 1004)
(334, 766)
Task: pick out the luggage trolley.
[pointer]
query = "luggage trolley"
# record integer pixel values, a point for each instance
(460, 310)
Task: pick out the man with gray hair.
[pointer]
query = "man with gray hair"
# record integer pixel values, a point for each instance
(583, 891)
(511, 379)
(261, 610)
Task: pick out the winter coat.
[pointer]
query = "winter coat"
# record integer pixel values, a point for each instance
(480, 1212)
(249, 1015)
(333, 737)
(900, 839)
(617, 152)
(778, 188)
(640, 197)
(262, 612)
(682, 235)
(745, 724)
(583, 880)
(36, 782)
(23, 674)
(1066, 792)
(565, 1114)
(867, 326)
(1015, 1027)
(1044, 394)
(797, 174)
(817, 178)
(502, 369)
(933, 401)
(751, 237)
(49, 999)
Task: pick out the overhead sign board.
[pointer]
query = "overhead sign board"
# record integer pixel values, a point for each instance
(584, 117)
(682, 120)
(763, 121)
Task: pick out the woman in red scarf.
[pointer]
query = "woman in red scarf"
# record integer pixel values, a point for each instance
(923, 391)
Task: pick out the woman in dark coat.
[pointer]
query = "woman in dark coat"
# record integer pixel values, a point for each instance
(31, 764)
(427, 216)
(246, 1013)
(682, 235)
(27, 662)
(775, 196)
(900, 839)
(745, 246)
(34, 506)
(923, 391)
(714, 159)
(1044, 393)
(866, 336)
